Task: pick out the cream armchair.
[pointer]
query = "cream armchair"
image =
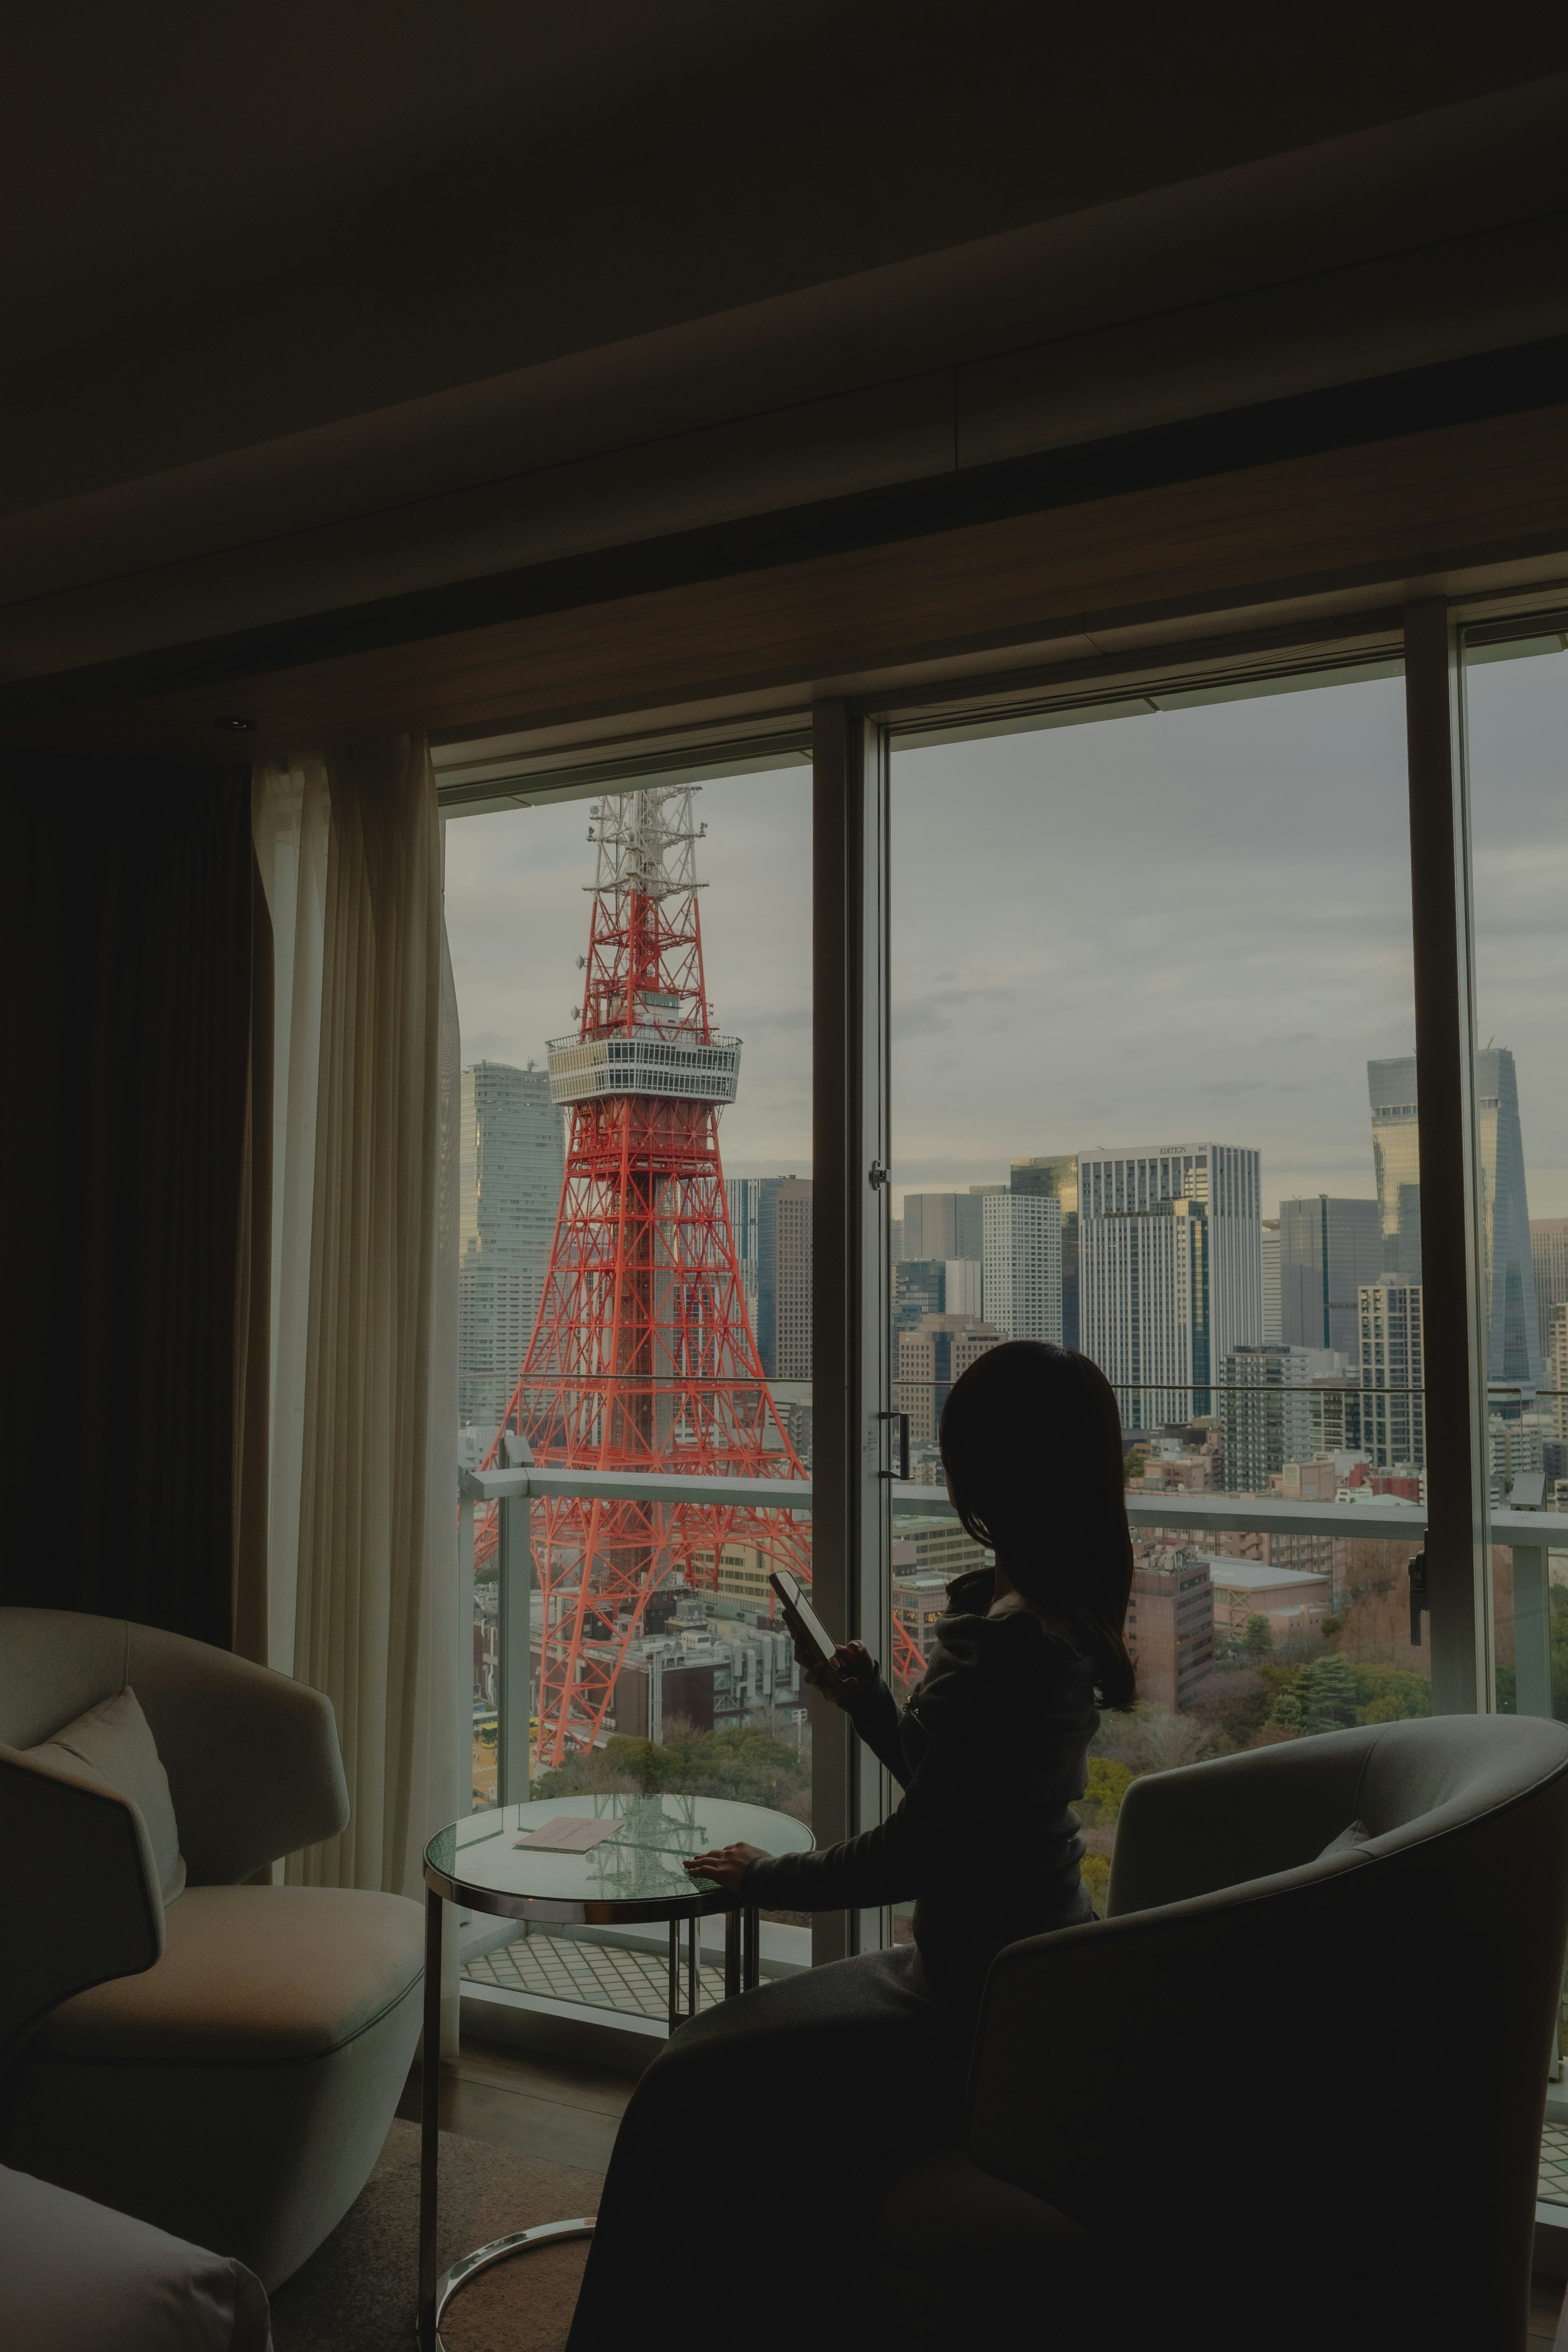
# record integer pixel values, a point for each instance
(225, 2068)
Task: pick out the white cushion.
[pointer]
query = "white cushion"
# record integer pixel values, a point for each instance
(78, 2277)
(113, 1742)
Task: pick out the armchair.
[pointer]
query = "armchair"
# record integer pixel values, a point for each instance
(1278, 2094)
(226, 2068)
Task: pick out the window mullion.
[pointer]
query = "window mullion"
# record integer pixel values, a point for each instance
(1444, 1052)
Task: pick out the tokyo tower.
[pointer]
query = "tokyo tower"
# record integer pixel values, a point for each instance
(642, 1357)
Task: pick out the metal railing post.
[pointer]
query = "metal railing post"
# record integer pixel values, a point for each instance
(466, 1496)
(1532, 1631)
(514, 1699)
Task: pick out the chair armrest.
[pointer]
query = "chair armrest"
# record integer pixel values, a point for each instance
(255, 1770)
(80, 1888)
(1206, 1826)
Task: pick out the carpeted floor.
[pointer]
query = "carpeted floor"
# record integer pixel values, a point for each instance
(357, 2293)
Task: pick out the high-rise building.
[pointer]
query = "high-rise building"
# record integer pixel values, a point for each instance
(920, 1288)
(964, 1286)
(1266, 1410)
(1057, 1179)
(1549, 1257)
(1023, 1287)
(511, 1154)
(942, 1225)
(1392, 1375)
(783, 1277)
(1513, 1332)
(1328, 1248)
(1169, 1271)
(1396, 1164)
(1513, 1340)
(742, 1196)
(930, 1358)
(1557, 1364)
(1272, 1328)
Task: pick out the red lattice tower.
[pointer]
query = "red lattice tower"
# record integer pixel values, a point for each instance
(642, 1356)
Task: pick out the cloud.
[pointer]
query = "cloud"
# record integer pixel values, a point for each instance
(1194, 924)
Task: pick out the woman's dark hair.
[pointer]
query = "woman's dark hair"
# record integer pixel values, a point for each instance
(1031, 1441)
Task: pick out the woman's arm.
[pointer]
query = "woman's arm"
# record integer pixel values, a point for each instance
(923, 1840)
(876, 1714)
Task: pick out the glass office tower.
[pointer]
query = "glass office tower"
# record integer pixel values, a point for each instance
(1396, 1164)
(1328, 1248)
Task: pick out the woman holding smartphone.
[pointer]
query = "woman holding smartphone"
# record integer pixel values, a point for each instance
(989, 1754)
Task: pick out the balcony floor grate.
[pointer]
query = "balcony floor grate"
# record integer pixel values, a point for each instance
(597, 1976)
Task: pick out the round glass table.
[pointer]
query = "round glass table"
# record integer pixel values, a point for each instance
(588, 1861)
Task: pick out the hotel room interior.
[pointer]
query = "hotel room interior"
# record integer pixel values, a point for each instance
(436, 435)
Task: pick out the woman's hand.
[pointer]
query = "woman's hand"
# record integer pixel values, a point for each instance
(854, 1671)
(726, 1865)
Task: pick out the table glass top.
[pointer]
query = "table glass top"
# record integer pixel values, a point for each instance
(638, 1860)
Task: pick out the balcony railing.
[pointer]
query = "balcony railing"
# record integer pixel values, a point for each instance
(1532, 1535)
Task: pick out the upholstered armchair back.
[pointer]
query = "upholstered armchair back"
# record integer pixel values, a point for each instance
(254, 1767)
(1266, 2047)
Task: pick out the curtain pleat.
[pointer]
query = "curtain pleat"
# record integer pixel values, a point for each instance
(291, 819)
(252, 1305)
(375, 1566)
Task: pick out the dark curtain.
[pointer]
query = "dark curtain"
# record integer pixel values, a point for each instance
(135, 1068)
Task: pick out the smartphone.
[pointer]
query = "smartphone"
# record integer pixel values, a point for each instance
(803, 1621)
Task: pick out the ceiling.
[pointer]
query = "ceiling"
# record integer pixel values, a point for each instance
(248, 221)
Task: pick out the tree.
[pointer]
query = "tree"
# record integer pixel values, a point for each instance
(1331, 1697)
(1259, 1639)
(1288, 1714)
(1109, 1782)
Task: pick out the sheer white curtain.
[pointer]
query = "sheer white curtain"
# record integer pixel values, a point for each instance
(363, 1581)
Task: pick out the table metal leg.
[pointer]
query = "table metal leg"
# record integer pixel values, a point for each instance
(751, 1938)
(693, 1966)
(731, 1954)
(674, 1974)
(436, 2293)
(429, 2121)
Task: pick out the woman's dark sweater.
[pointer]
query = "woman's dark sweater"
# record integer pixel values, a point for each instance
(990, 1754)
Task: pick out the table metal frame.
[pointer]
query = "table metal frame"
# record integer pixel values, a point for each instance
(742, 1953)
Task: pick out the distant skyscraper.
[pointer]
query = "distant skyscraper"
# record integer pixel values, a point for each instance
(1513, 1342)
(1169, 1271)
(511, 1157)
(942, 1225)
(1271, 1309)
(1266, 1410)
(1514, 1351)
(1557, 1365)
(1396, 1164)
(1548, 1257)
(919, 1288)
(1057, 1179)
(1328, 1248)
(1023, 1288)
(783, 1277)
(930, 1359)
(742, 1195)
(964, 1286)
(1392, 1375)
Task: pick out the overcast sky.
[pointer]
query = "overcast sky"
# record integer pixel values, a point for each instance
(1191, 926)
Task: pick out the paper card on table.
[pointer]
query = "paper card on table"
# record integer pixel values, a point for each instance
(572, 1834)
